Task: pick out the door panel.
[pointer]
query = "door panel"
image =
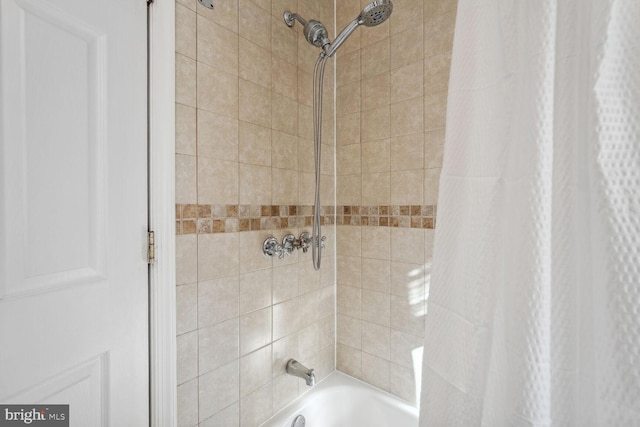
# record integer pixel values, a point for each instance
(73, 275)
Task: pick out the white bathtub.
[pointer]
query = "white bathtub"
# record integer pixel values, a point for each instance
(341, 401)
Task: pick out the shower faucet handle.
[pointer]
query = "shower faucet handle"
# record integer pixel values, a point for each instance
(271, 247)
(288, 244)
(305, 241)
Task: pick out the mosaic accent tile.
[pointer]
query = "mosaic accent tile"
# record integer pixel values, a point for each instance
(208, 219)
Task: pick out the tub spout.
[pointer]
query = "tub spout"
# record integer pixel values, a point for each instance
(299, 370)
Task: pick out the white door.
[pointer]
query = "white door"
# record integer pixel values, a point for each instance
(73, 208)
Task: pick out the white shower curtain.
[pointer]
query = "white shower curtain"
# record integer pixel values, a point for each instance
(534, 306)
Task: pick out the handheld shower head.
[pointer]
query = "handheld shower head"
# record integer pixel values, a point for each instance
(375, 13)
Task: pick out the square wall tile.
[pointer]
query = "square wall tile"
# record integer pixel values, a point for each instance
(185, 31)
(376, 156)
(404, 383)
(284, 116)
(408, 279)
(217, 136)
(284, 150)
(254, 63)
(348, 129)
(255, 144)
(254, 23)
(225, 14)
(435, 110)
(407, 245)
(348, 159)
(284, 78)
(255, 370)
(349, 270)
(375, 307)
(348, 99)
(305, 87)
(431, 186)
(218, 255)
(217, 181)
(186, 308)
(255, 330)
(376, 275)
(217, 91)
(286, 317)
(349, 301)
(255, 185)
(375, 58)
(407, 315)
(407, 117)
(406, 188)
(437, 69)
(407, 47)
(187, 357)
(256, 407)
(406, 349)
(255, 104)
(309, 341)
(349, 331)
(217, 300)
(434, 148)
(376, 242)
(376, 189)
(349, 360)
(185, 130)
(255, 290)
(284, 187)
(217, 46)
(381, 31)
(407, 82)
(186, 259)
(406, 14)
(284, 40)
(347, 67)
(187, 404)
(349, 190)
(376, 124)
(251, 257)
(376, 371)
(218, 344)
(348, 240)
(228, 417)
(407, 152)
(186, 179)
(185, 80)
(285, 283)
(218, 389)
(376, 91)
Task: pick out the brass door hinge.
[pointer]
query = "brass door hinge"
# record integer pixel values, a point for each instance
(151, 247)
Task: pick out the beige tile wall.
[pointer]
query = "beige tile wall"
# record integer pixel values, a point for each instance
(244, 137)
(390, 117)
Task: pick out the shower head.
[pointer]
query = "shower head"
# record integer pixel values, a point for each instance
(373, 14)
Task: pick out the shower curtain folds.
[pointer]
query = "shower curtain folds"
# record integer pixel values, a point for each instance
(534, 301)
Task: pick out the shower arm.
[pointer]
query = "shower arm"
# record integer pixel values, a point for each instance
(342, 37)
(290, 18)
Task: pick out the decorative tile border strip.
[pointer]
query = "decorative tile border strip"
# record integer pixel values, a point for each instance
(208, 219)
(404, 216)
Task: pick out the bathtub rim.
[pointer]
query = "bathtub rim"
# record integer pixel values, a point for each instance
(334, 379)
